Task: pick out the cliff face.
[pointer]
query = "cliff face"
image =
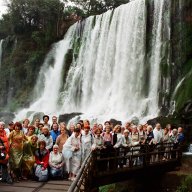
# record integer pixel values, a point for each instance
(22, 59)
(181, 46)
(19, 70)
(176, 64)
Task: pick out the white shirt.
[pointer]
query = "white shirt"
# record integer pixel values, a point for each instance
(7, 131)
(55, 159)
(158, 135)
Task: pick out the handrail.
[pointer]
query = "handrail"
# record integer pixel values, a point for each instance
(78, 180)
(92, 165)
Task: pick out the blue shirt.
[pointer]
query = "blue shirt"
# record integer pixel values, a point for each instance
(180, 137)
(54, 135)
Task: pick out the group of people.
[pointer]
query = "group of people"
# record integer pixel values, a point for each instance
(39, 150)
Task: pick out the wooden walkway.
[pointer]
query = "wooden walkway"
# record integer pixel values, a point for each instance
(34, 186)
(101, 168)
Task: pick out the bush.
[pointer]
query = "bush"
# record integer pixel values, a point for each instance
(186, 185)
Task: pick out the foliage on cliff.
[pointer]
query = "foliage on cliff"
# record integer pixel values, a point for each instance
(186, 185)
(29, 28)
(182, 53)
(33, 18)
(94, 7)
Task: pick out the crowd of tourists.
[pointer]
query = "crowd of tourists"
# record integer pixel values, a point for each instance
(40, 151)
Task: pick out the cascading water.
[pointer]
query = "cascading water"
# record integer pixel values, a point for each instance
(110, 64)
(155, 57)
(189, 152)
(50, 77)
(107, 77)
(1, 50)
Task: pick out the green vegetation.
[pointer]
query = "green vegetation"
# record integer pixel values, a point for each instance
(186, 185)
(94, 7)
(26, 16)
(108, 188)
(184, 92)
(29, 28)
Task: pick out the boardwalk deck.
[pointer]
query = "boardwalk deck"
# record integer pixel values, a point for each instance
(33, 186)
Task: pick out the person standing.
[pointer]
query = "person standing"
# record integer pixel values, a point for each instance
(61, 139)
(109, 151)
(25, 126)
(28, 160)
(4, 156)
(54, 119)
(54, 132)
(9, 129)
(46, 122)
(180, 135)
(16, 139)
(31, 132)
(158, 139)
(45, 136)
(72, 153)
(87, 142)
(36, 125)
(158, 133)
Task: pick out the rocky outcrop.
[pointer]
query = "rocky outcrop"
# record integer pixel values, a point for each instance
(6, 117)
(115, 122)
(68, 116)
(38, 115)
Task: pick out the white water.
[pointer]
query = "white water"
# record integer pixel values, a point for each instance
(108, 77)
(189, 152)
(156, 57)
(110, 62)
(1, 50)
(49, 81)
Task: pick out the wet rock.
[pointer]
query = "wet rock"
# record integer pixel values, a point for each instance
(161, 119)
(67, 117)
(164, 110)
(38, 115)
(6, 117)
(186, 111)
(115, 122)
(135, 120)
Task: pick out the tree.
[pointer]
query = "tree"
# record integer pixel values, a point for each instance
(40, 19)
(30, 15)
(93, 7)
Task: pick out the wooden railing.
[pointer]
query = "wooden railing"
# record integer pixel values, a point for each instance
(102, 163)
(83, 179)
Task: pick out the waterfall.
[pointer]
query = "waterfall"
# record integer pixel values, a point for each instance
(107, 75)
(1, 50)
(189, 152)
(155, 59)
(50, 77)
(109, 70)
